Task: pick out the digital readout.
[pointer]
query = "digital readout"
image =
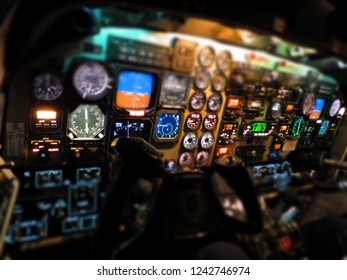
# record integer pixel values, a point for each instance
(259, 127)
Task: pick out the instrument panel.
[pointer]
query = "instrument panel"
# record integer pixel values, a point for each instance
(194, 99)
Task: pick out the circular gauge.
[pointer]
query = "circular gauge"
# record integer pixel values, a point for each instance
(215, 102)
(210, 121)
(308, 104)
(202, 79)
(334, 107)
(298, 127)
(186, 160)
(276, 110)
(224, 60)
(86, 122)
(206, 56)
(168, 126)
(47, 87)
(174, 90)
(207, 140)
(324, 128)
(202, 158)
(193, 121)
(91, 80)
(218, 83)
(198, 100)
(190, 141)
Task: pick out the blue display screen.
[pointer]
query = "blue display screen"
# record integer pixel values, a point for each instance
(135, 89)
(168, 126)
(318, 109)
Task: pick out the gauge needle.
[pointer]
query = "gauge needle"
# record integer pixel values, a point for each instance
(86, 119)
(298, 132)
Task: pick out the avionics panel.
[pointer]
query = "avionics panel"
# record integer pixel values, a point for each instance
(195, 99)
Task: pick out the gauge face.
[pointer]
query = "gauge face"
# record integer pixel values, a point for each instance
(308, 104)
(168, 126)
(206, 56)
(276, 110)
(211, 121)
(174, 91)
(298, 127)
(47, 87)
(186, 160)
(324, 128)
(218, 83)
(198, 100)
(334, 107)
(193, 121)
(202, 158)
(86, 122)
(91, 81)
(190, 141)
(202, 79)
(224, 60)
(207, 140)
(215, 102)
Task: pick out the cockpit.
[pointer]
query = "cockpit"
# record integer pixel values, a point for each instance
(150, 130)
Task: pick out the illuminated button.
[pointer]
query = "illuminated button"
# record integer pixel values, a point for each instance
(38, 125)
(46, 125)
(54, 125)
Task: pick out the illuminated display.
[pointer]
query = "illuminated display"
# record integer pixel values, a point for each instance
(285, 129)
(278, 146)
(167, 126)
(259, 127)
(318, 109)
(45, 119)
(324, 128)
(132, 128)
(256, 103)
(290, 108)
(135, 90)
(46, 115)
(230, 127)
(221, 151)
(307, 138)
(235, 102)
